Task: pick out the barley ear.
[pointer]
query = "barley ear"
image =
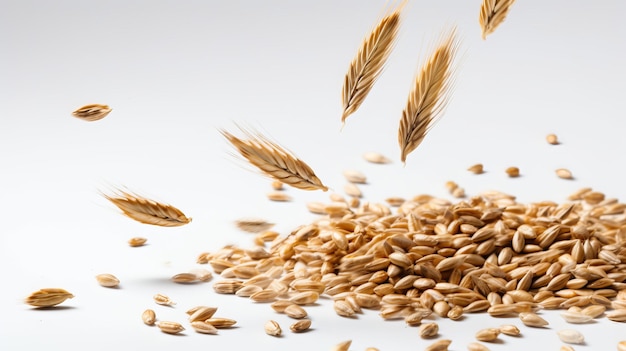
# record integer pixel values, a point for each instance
(492, 14)
(369, 62)
(275, 161)
(429, 95)
(147, 211)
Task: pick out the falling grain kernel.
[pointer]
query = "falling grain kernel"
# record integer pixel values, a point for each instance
(163, 300)
(300, 326)
(571, 336)
(278, 196)
(552, 139)
(353, 190)
(92, 113)
(253, 225)
(564, 173)
(277, 185)
(476, 169)
(273, 328)
(375, 157)
(48, 297)
(355, 176)
(137, 241)
(429, 330)
(458, 193)
(148, 317)
(107, 280)
(621, 346)
(513, 172)
(170, 327)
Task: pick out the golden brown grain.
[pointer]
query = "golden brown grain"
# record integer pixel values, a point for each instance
(137, 241)
(429, 330)
(369, 62)
(277, 185)
(273, 328)
(201, 313)
(221, 323)
(170, 327)
(107, 280)
(429, 96)
(531, 319)
(93, 112)
(275, 161)
(147, 211)
(343, 346)
(488, 335)
(564, 173)
(509, 329)
(571, 336)
(300, 326)
(203, 327)
(492, 14)
(621, 346)
(475, 346)
(48, 297)
(163, 300)
(476, 168)
(184, 278)
(253, 225)
(512, 172)
(375, 157)
(552, 139)
(148, 317)
(440, 345)
(278, 196)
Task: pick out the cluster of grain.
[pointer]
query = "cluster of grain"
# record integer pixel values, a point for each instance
(487, 253)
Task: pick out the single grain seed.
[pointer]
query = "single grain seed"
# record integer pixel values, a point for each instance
(137, 241)
(429, 330)
(148, 317)
(273, 328)
(552, 139)
(474, 346)
(621, 346)
(221, 323)
(571, 336)
(440, 345)
(530, 319)
(509, 329)
(278, 196)
(170, 327)
(488, 335)
(476, 169)
(343, 346)
(203, 327)
(512, 172)
(564, 173)
(375, 157)
(300, 326)
(277, 185)
(355, 176)
(202, 313)
(48, 297)
(184, 278)
(107, 280)
(163, 300)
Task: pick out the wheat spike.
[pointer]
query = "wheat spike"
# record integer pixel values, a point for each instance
(492, 14)
(147, 211)
(275, 161)
(429, 96)
(369, 62)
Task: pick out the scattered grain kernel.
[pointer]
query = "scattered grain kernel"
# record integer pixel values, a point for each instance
(170, 327)
(621, 346)
(509, 329)
(221, 323)
(429, 330)
(512, 172)
(531, 319)
(163, 300)
(253, 225)
(355, 176)
(440, 345)
(148, 317)
(273, 328)
(92, 113)
(203, 327)
(564, 173)
(295, 311)
(566, 348)
(107, 280)
(184, 278)
(300, 326)
(571, 336)
(488, 335)
(201, 313)
(476, 169)
(137, 241)
(475, 346)
(277, 185)
(278, 196)
(552, 139)
(343, 346)
(375, 157)
(48, 297)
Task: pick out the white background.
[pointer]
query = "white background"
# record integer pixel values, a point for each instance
(175, 72)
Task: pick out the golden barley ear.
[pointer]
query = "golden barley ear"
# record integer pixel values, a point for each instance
(275, 161)
(429, 95)
(369, 62)
(147, 211)
(492, 14)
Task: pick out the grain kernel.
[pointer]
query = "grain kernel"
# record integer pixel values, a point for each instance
(148, 317)
(300, 326)
(512, 172)
(273, 328)
(170, 327)
(429, 330)
(564, 173)
(137, 241)
(107, 280)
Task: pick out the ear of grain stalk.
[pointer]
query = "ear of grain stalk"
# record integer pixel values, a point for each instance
(147, 211)
(492, 14)
(48, 297)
